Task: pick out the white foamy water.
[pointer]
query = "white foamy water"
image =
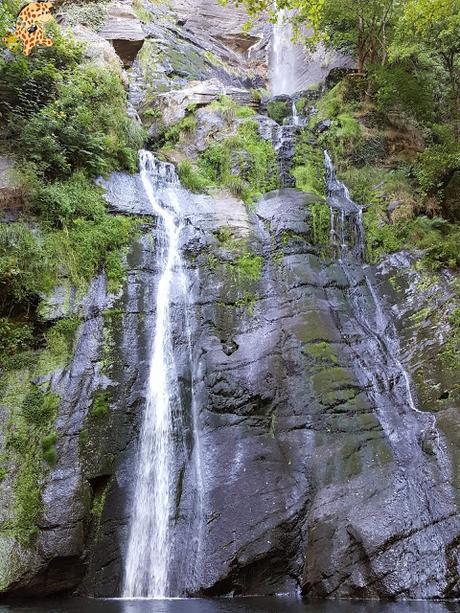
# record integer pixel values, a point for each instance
(151, 539)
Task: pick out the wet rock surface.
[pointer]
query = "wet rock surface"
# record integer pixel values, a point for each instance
(306, 481)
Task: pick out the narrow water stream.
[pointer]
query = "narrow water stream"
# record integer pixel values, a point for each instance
(382, 370)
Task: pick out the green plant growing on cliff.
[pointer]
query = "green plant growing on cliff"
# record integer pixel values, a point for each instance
(184, 128)
(248, 267)
(308, 166)
(31, 438)
(84, 127)
(278, 110)
(90, 13)
(230, 110)
(24, 266)
(192, 178)
(320, 224)
(243, 163)
(100, 404)
(14, 337)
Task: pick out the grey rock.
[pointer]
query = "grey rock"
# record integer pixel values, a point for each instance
(323, 126)
(124, 30)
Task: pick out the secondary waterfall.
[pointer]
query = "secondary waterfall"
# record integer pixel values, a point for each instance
(391, 387)
(151, 539)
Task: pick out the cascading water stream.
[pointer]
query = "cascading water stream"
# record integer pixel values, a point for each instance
(392, 386)
(150, 546)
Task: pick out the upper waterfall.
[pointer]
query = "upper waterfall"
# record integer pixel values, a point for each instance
(284, 58)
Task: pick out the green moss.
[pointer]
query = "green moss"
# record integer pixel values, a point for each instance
(247, 302)
(247, 267)
(49, 448)
(420, 316)
(101, 404)
(83, 438)
(277, 257)
(91, 13)
(322, 351)
(381, 237)
(308, 166)
(141, 13)
(38, 408)
(14, 337)
(30, 440)
(278, 110)
(243, 163)
(97, 506)
(287, 236)
(320, 224)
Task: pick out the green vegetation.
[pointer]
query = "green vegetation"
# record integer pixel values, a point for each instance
(90, 13)
(278, 110)
(100, 404)
(184, 128)
(247, 267)
(395, 122)
(230, 110)
(320, 224)
(308, 166)
(64, 120)
(243, 163)
(68, 123)
(31, 438)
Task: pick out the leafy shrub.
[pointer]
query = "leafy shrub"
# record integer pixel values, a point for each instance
(14, 337)
(278, 110)
(62, 201)
(400, 87)
(440, 240)
(85, 246)
(191, 177)
(84, 128)
(243, 163)
(39, 408)
(24, 265)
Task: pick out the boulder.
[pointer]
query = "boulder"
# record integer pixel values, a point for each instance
(98, 50)
(124, 30)
(323, 126)
(174, 103)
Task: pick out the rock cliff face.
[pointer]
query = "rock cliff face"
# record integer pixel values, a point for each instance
(310, 480)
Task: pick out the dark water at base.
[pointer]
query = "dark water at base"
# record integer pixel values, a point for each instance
(235, 605)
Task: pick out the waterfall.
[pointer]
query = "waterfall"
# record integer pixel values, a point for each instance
(391, 387)
(151, 538)
(295, 115)
(284, 58)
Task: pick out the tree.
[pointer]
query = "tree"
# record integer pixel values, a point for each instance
(431, 28)
(360, 27)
